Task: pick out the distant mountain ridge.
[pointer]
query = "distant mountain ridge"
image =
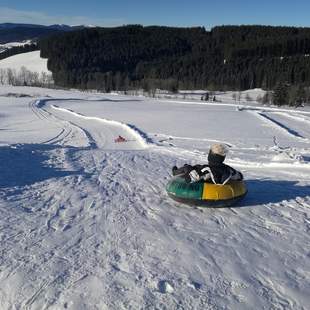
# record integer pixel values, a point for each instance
(15, 32)
(55, 26)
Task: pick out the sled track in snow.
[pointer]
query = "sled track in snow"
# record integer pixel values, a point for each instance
(287, 129)
(298, 117)
(34, 106)
(99, 132)
(132, 132)
(66, 129)
(276, 124)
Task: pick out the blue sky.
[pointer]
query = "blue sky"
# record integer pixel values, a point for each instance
(159, 12)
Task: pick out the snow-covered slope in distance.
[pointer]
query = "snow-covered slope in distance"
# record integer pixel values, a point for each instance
(31, 61)
(86, 222)
(244, 97)
(6, 46)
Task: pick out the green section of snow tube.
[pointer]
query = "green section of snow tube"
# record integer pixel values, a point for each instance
(204, 194)
(179, 188)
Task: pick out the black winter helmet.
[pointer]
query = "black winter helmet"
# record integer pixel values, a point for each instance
(217, 154)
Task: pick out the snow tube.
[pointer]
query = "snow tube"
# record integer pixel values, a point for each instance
(206, 194)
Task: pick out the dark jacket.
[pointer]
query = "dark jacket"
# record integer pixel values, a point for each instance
(217, 174)
(216, 171)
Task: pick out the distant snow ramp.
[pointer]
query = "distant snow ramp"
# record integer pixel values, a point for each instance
(103, 133)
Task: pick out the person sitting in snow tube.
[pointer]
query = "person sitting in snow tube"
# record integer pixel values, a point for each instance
(215, 171)
(211, 185)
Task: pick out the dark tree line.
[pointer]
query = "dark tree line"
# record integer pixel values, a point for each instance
(227, 57)
(285, 94)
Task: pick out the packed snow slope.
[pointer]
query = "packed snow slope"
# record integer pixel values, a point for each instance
(86, 222)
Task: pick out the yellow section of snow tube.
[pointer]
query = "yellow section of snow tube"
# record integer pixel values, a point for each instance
(230, 190)
(206, 194)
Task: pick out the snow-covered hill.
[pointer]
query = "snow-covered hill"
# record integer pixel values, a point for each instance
(86, 222)
(7, 46)
(31, 61)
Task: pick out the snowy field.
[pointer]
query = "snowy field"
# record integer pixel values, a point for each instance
(31, 61)
(86, 222)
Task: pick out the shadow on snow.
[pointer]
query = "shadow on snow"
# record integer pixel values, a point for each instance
(26, 164)
(272, 191)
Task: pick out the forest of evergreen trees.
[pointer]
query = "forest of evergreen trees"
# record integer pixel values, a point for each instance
(227, 57)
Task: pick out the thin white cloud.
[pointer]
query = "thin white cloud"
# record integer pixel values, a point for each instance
(9, 15)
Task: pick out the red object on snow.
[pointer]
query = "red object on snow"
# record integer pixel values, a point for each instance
(120, 139)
